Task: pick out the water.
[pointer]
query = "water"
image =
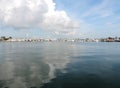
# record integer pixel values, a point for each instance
(59, 65)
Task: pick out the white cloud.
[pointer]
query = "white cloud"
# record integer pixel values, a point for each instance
(24, 14)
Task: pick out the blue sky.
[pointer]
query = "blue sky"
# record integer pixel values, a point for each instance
(99, 18)
(96, 18)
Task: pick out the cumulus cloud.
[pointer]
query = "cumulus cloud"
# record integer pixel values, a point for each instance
(24, 14)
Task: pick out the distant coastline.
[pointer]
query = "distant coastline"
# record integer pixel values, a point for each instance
(10, 39)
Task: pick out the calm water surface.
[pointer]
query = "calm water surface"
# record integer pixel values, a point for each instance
(59, 65)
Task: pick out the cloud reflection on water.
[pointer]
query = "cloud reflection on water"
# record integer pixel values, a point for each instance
(23, 66)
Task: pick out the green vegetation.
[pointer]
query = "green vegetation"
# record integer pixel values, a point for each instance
(3, 38)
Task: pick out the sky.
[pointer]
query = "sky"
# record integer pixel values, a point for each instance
(60, 18)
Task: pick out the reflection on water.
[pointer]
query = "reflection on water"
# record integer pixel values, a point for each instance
(59, 65)
(23, 65)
